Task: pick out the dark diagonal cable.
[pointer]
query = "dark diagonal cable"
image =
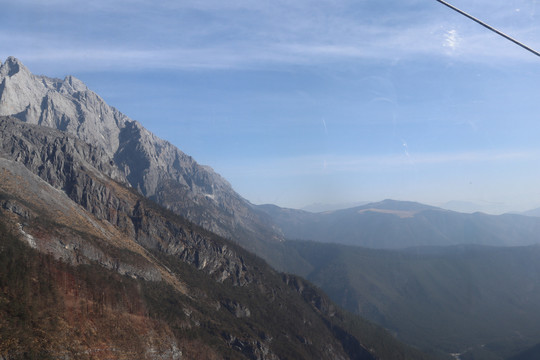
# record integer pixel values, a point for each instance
(490, 28)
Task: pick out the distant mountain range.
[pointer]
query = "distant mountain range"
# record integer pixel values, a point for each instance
(472, 207)
(391, 224)
(438, 279)
(321, 207)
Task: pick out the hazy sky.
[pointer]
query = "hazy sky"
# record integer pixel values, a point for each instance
(301, 101)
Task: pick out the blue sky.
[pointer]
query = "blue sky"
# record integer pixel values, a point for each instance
(300, 101)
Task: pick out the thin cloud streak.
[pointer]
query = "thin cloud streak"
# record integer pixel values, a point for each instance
(230, 37)
(327, 164)
(240, 57)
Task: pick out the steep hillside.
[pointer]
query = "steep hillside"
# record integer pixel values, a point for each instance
(151, 165)
(460, 299)
(107, 274)
(398, 224)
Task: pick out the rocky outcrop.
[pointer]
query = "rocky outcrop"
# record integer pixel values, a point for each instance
(56, 157)
(257, 350)
(80, 170)
(163, 232)
(77, 238)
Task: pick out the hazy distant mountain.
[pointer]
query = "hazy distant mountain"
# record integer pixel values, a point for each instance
(151, 165)
(108, 273)
(460, 299)
(321, 207)
(462, 206)
(472, 207)
(399, 224)
(533, 212)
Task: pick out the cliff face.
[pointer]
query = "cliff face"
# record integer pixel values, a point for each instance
(151, 165)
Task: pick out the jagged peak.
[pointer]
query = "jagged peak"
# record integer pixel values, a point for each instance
(12, 66)
(74, 83)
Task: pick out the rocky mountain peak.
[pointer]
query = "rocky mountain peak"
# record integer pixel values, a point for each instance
(19, 89)
(66, 105)
(72, 84)
(11, 67)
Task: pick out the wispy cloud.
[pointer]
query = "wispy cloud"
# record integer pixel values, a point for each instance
(328, 164)
(451, 39)
(216, 34)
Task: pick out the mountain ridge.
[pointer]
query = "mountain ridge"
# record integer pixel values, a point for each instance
(153, 166)
(392, 224)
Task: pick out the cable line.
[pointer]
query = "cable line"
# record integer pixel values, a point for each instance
(490, 28)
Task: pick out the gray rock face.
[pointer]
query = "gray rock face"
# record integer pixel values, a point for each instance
(66, 105)
(153, 166)
(33, 197)
(49, 153)
(85, 174)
